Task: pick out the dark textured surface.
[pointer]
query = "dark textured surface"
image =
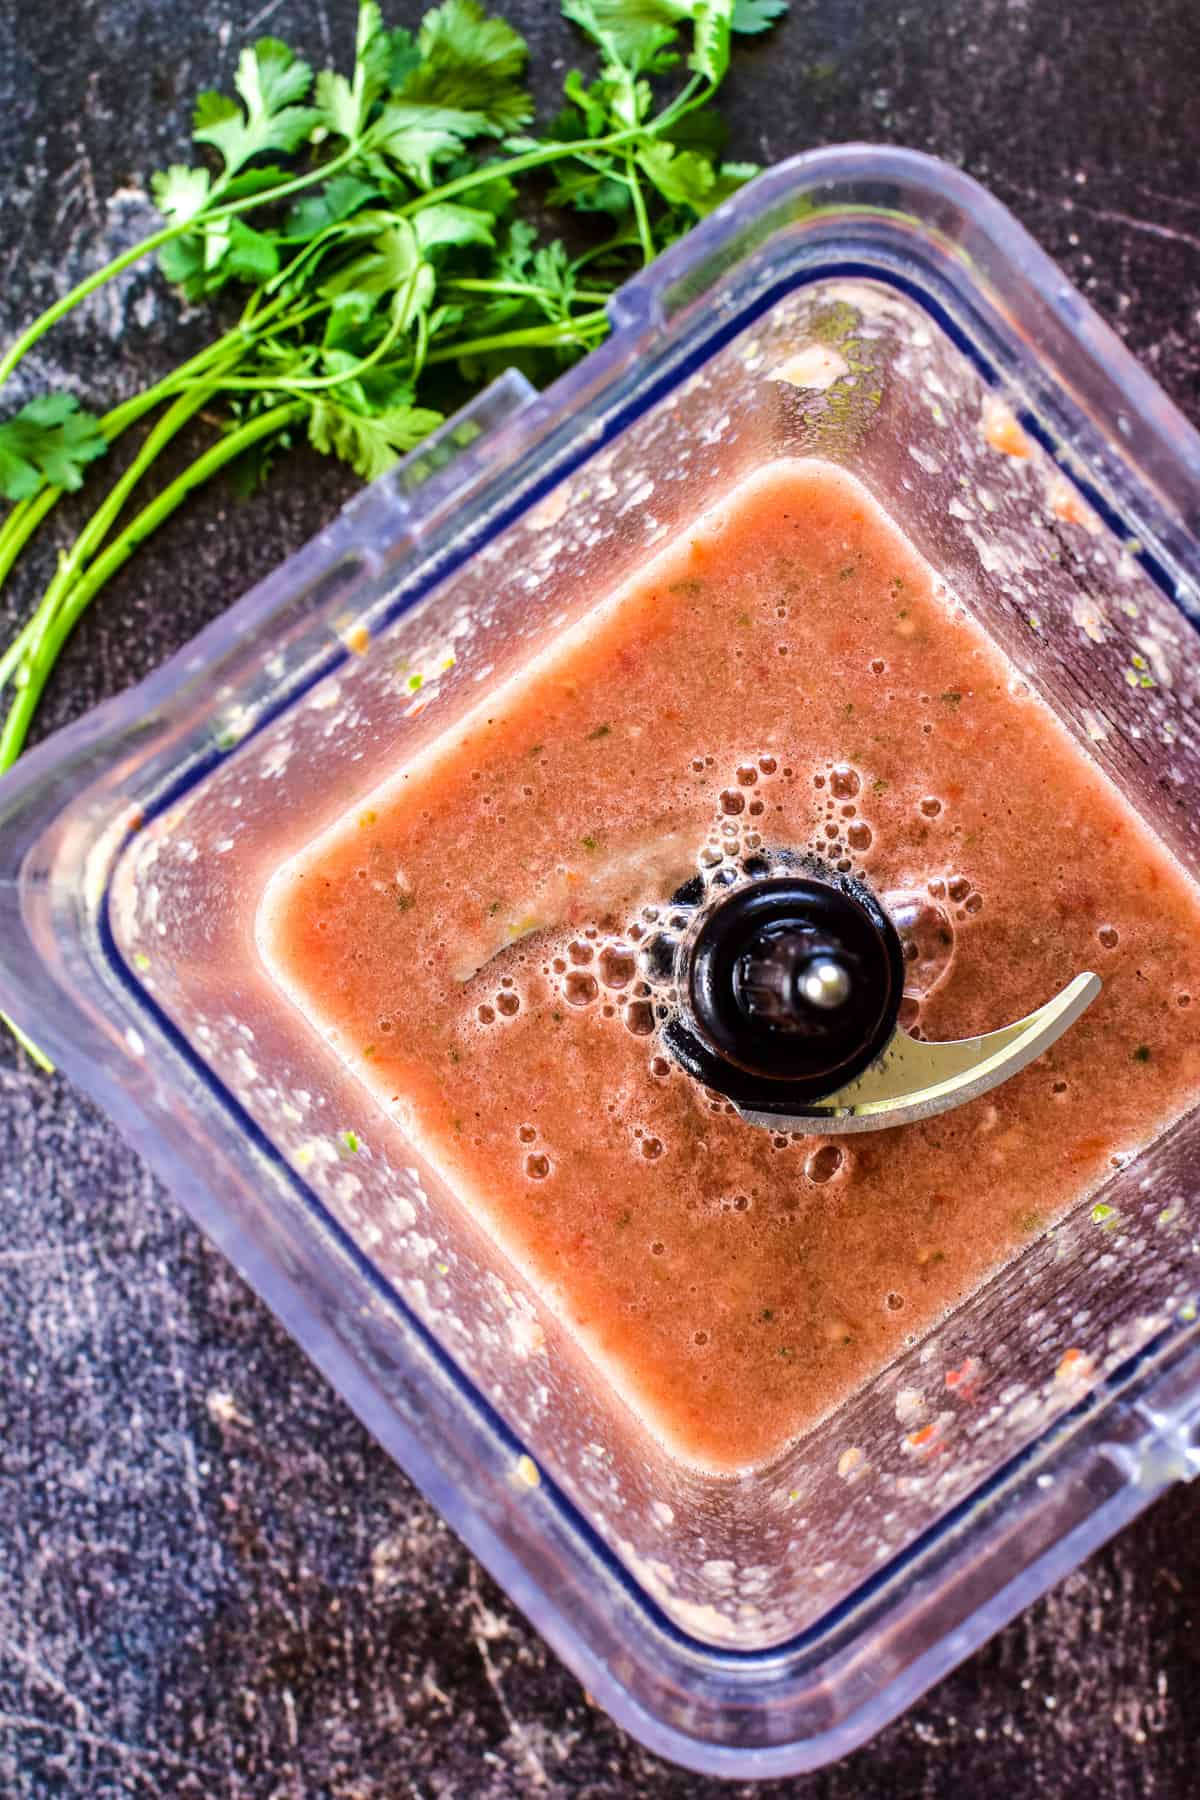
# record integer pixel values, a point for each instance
(211, 1581)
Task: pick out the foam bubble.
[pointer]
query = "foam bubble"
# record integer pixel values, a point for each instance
(617, 966)
(825, 1163)
(639, 1018)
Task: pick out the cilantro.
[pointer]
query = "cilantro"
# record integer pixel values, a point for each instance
(370, 443)
(271, 80)
(589, 842)
(356, 227)
(49, 442)
(351, 1142)
(473, 64)
(601, 731)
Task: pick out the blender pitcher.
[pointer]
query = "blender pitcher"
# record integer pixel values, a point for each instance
(873, 310)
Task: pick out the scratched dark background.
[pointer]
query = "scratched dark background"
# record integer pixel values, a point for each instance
(211, 1581)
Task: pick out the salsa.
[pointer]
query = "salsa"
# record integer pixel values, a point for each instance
(787, 672)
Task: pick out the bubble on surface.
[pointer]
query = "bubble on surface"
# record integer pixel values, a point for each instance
(537, 1167)
(927, 942)
(579, 952)
(931, 806)
(579, 988)
(844, 781)
(1109, 936)
(859, 836)
(617, 966)
(823, 1164)
(508, 1004)
(485, 1014)
(652, 1148)
(639, 1018)
(527, 1134)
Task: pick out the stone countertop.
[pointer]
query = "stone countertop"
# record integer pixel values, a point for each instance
(212, 1582)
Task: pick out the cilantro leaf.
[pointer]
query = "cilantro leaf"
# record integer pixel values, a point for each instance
(752, 16)
(50, 440)
(179, 192)
(682, 177)
(371, 444)
(341, 196)
(270, 79)
(449, 224)
(712, 23)
(345, 106)
(472, 63)
(632, 33)
(222, 250)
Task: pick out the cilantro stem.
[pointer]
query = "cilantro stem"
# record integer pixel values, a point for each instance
(639, 210)
(25, 645)
(527, 289)
(20, 525)
(95, 531)
(80, 291)
(49, 644)
(156, 240)
(536, 159)
(306, 383)
(567, 331)
(25, 518)
(622, 241)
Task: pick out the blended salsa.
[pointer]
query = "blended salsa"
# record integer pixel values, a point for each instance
(787, 673)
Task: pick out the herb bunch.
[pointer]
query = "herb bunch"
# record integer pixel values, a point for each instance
(358, 235)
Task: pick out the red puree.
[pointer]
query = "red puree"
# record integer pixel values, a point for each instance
(788, 667)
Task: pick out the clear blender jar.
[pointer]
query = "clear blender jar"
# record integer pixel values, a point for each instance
(766, 1625)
